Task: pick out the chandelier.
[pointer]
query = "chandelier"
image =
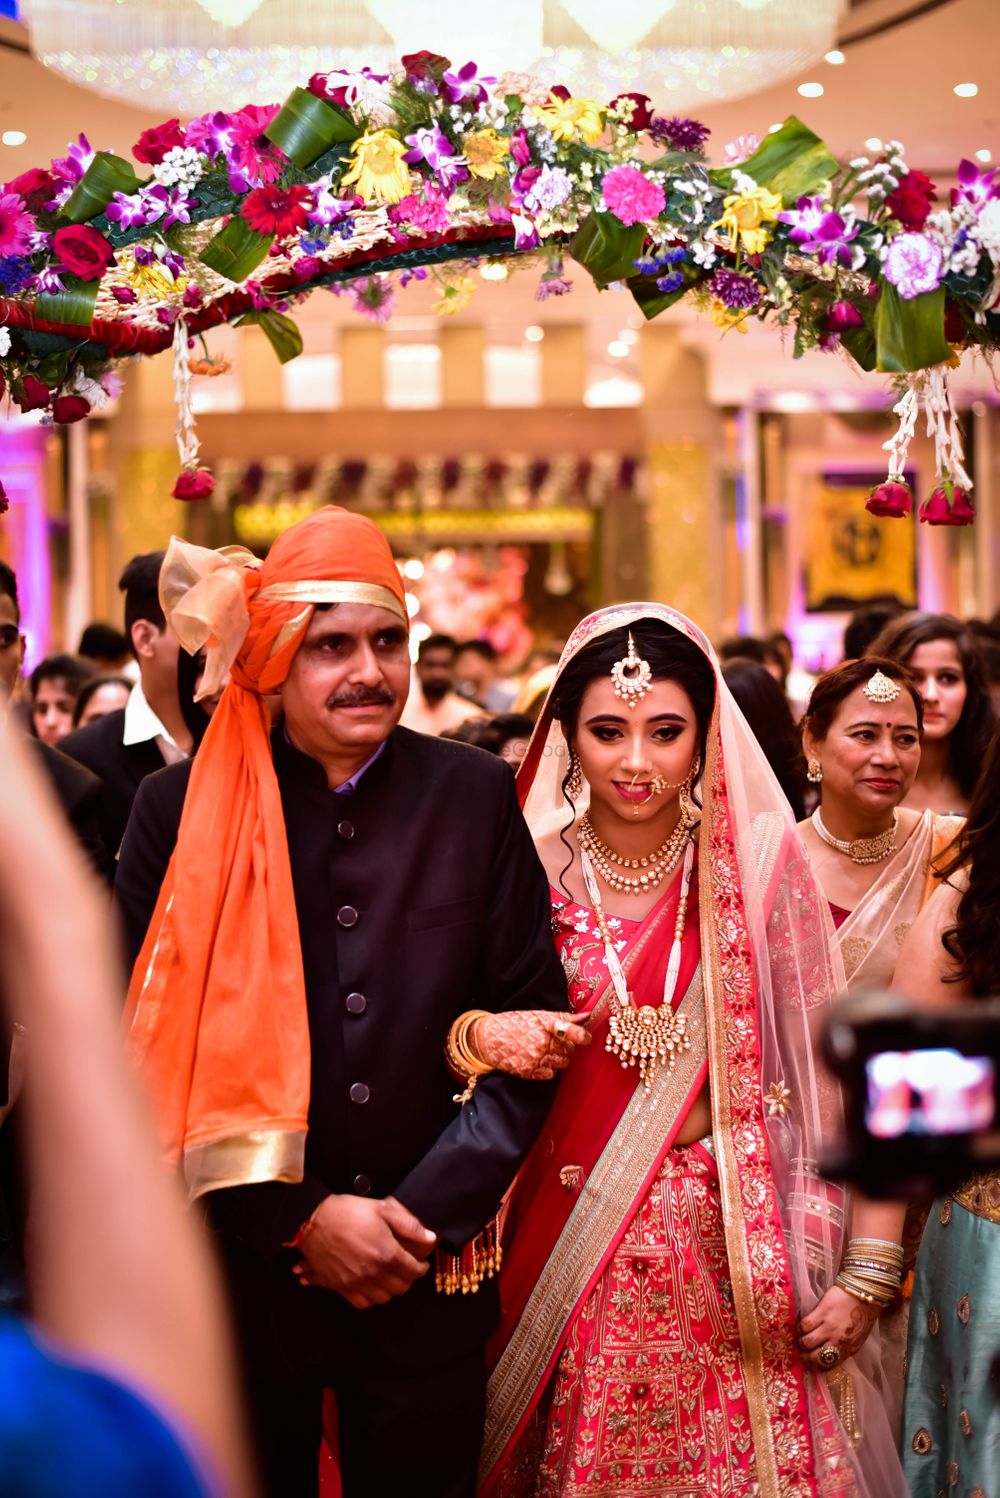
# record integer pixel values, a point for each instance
(185, 57)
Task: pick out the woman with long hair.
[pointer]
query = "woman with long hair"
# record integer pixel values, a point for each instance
(942, 656)
(761, 699)
(951, 1420)
(670, 1317)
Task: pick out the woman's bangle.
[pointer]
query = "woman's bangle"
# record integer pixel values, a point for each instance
(463, 1063)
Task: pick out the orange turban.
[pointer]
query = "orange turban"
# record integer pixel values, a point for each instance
(216, 1010)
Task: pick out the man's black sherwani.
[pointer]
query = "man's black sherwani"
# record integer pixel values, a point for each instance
(121, 768)
(418, 896)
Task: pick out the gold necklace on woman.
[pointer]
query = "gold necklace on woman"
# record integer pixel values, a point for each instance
(651, 869)
(860, 849)
(646, 1037)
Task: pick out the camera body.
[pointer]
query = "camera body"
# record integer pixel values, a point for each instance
(921, 1092)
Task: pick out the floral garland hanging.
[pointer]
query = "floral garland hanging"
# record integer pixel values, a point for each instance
(361, 182)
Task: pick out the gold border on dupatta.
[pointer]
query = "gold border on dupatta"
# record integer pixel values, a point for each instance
(245, 1160)
(616, 1179)
(737, 1251)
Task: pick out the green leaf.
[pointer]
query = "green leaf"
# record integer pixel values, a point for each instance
(909, 334)
(75, 304)
(793, 162)
(651, 301)
(606, 247)
(282, 333)
(236, 250)
(860, 344)
(306, 126)
(106, 175)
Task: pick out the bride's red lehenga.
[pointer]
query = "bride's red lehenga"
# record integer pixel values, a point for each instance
(651, 1291)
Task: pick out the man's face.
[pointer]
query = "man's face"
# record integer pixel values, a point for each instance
(474, 672)
(436, 670)
(348, 681)
(11, 646)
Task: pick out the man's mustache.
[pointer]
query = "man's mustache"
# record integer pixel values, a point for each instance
(380, 697)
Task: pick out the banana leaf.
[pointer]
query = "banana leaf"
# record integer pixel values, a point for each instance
(306, 126)
(793, 162)
(606, 247)
(106, 175)
(282, 333)
(75, 304)
(236, 250)
(651, 301)
(909, 334)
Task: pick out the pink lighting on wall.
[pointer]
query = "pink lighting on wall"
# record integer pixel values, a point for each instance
(26, 527)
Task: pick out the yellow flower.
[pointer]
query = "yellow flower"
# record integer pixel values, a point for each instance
(744, 215)
(485, 152)
(567, 118)
(454, 296)
(149, 280)
(377, 169)
(728, 317)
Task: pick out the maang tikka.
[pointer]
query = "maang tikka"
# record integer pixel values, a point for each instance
(881, 688)
(632, 676)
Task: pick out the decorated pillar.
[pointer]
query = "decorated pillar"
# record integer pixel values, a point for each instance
(681, 432)
(142, 452)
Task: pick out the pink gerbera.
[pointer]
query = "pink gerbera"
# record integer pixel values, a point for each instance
(17, 227)
(250, 154)
(631, 196)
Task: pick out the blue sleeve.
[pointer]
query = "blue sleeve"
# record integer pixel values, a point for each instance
(68, 1429)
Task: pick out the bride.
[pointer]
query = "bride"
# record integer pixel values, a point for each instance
(671, 1321)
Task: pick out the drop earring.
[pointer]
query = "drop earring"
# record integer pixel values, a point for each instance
(574, 781)
(814, 772)
(688, 809)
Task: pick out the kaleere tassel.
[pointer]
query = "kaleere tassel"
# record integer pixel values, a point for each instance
(193, 481)
(478, 1261)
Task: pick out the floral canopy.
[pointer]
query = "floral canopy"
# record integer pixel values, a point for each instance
(361, 182)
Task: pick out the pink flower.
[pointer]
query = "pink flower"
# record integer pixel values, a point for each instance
(251, 156)
(913, 265)
(845, 315)
(17, 227)
(153, 144)
(427, 211)
(947, 505)
(891, 499)
(631, 196)
(741, 149)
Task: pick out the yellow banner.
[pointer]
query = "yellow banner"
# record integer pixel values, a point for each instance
(852, 557)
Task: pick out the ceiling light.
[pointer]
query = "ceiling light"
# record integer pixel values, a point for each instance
(966, 90)
(834, 58)
(229, 12)
(494, 270)
(811, 90)
(628, 335)
(618, 349)
(13, 137)
(534, 334)
(984, 155)
(873, 143)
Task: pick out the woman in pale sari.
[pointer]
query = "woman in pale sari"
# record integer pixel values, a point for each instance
(670, 1318)
(873, 856)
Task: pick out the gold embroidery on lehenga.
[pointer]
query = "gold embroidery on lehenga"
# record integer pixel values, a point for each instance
(981, 1196)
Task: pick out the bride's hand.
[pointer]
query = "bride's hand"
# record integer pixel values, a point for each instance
(531, 1043)
(838, 1320)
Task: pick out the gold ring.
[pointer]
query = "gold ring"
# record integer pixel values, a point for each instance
(829, 1356)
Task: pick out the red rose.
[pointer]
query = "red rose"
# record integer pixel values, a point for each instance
(911, 202)
(423, 67)
(35, 394)
(947, 505)
(641, 114)
(325, 86)
(890, 499)
(83, 251)
(153, 144)
(193, 483)
(33, 183)
(67, 408)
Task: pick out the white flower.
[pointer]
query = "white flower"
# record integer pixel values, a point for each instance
(4, 341)
(988, 229)
(89, 389)
(858, 163)
(182, 166)
(742, 183)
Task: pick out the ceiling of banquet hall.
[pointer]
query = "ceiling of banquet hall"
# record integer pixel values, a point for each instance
(902, 64)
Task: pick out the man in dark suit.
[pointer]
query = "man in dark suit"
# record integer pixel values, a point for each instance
(152, 730)
(418, 895)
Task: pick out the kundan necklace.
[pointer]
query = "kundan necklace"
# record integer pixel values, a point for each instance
(861, 849)
(651, 869)
(645, 1037)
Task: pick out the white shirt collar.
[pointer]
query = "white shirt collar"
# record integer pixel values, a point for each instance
(141, 723)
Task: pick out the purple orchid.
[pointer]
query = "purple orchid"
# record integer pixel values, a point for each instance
(178, 207)
(974, 186)
(520, 149)
(433, 146)
(913, 264)
(174, 263)
(133, 210)
(413, 273)
(209, 134)
(820, 232)
(328, 209)
(124, 295)
(144, 255)
(465, 86)
(49, 282)
(525, 234)
(70, 168)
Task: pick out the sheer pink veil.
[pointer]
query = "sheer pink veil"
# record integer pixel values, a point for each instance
(771, 968)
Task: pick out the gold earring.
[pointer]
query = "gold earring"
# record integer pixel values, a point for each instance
(574, 781)
(814, 772)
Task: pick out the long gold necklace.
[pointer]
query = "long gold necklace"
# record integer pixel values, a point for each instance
(646, 1036)
(651, 869)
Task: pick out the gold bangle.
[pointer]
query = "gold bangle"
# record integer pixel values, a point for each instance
(865, 1293)
(461, 1058)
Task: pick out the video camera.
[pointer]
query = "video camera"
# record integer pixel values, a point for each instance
(922, 1105)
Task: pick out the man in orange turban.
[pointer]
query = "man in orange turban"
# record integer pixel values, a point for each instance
(310, 908)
